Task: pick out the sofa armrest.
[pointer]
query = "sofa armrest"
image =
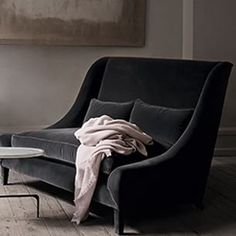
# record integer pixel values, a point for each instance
(161, 172)
(133, 181)
(182, 171)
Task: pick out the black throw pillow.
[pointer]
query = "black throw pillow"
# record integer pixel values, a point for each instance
(165, 125)
(116, 110)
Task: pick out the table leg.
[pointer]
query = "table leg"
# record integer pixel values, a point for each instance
(36, 196)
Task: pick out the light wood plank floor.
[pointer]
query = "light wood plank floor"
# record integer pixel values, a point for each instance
(18, 216)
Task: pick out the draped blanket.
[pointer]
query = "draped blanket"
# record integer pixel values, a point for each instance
(99, 138)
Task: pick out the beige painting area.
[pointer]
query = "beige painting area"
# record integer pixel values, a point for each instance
(73, 22)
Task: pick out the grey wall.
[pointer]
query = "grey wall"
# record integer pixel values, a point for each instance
(214, 38)
(39, 84)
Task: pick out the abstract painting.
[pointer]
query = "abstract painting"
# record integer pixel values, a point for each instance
(73, 22)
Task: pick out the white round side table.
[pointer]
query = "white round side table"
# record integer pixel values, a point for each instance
(20, 153)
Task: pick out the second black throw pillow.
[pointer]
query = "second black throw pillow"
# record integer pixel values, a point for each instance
(164, 124)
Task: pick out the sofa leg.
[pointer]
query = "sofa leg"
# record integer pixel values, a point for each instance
(118, 222)
(4, 175)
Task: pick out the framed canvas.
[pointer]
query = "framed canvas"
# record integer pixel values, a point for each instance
(73, 22)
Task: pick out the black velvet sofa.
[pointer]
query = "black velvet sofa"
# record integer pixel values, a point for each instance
(177, 172)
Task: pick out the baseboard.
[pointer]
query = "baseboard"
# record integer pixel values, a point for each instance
(226, 142)
(225, 152)
(227, 131)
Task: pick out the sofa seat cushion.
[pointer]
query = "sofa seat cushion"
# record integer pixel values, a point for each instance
(59, 144)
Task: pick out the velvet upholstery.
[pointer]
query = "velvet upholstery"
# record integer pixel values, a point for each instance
(5, 140)
(60, 174)
(177, 175)
(164, 124)
(60, 145)
(178, 83)
(116, 110)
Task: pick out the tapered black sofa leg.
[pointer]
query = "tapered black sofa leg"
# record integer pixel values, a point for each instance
(118, 222)
(4, 175)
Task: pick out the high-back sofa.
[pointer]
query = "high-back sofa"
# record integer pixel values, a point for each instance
(177, 174)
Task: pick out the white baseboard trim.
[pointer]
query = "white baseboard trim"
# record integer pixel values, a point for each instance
(227, 131)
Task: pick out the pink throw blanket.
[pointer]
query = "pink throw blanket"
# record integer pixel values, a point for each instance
(99, 137)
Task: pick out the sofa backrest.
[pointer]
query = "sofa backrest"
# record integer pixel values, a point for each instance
(163, 82)
(171, 83)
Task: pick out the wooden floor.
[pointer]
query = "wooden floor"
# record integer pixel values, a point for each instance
(18, 216)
